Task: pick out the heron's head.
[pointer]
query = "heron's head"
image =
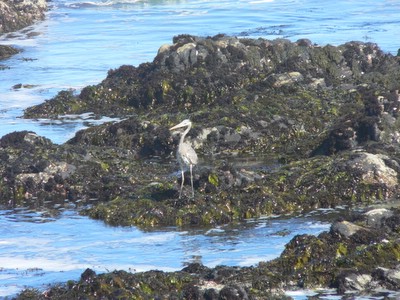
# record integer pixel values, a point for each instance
(184, 123)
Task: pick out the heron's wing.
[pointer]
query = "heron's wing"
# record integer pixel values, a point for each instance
(187, 154)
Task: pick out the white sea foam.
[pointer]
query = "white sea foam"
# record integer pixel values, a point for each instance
(254, 260)
(88, 4)
(41, 263)
(9, 290)
(260, 1)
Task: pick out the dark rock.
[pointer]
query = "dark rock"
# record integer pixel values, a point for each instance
(191, 292)
(146, 139)
(15, 14)
(393, 223)
(211, 294)
(356, 282)
(377, 217)
(196, 268)
(388, 277)
(366, 236)
(7, 51)
(24, 140)
(234, 292)
(88, 275)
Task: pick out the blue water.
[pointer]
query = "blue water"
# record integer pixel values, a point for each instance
(75, 46)
(37, 249)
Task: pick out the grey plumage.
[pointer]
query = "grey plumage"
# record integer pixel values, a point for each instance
(186, 155)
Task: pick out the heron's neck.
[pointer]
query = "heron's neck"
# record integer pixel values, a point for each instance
(184, 134)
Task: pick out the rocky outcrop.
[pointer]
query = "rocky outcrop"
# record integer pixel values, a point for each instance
(322, 122)
(196, 72)
(15, 15)
(7, 51)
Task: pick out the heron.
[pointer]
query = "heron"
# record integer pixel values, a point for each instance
(185, 155)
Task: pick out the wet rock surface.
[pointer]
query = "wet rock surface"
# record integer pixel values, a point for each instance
(320, 121)
(7, 51)
(15, 15)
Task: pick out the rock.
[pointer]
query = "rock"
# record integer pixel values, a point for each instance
(356, 282)
(324, 147)
(24, 140)
(15, 15)
(196, 268)
(389, 277)
(289, 78)
(196, 71)
(376, 217)
(7, 51)
(374, 169)
(88, 275)
(235, 292)
(393, 223)
(345, 228)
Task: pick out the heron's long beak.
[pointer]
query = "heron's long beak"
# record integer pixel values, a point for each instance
(180, 125)
(175, 127)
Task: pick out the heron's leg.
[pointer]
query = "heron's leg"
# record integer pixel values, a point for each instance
(183, 180)
(191, 179)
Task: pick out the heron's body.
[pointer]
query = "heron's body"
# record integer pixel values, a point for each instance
(186, 155)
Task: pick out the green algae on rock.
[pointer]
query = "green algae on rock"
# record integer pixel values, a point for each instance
(197, 72)
(287, 100)
(132, 191)
(326, 115)
(35, 171)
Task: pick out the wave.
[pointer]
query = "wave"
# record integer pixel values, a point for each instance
(109, 3)
(88, 4)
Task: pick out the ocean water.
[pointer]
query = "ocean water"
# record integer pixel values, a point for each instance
(37, 249)
(74, 47)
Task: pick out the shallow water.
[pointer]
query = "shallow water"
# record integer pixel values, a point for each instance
(75, 46)
(37, 249)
